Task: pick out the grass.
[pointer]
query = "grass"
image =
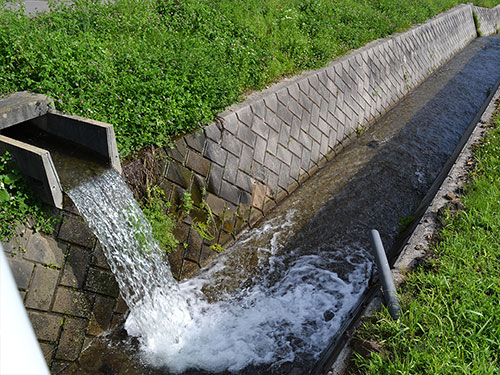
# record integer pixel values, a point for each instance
(157, 69)
(451, 311)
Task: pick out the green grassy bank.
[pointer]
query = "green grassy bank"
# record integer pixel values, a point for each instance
(451, 306)
(161, 68)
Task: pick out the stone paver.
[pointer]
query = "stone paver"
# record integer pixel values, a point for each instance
(73, 302)
(121, 307)
(229, 192)
(76, 267)
(215, 153)
(179, 175)
(188, 269)
(102, 282)
(197, 163)
(47, 350)
(196, 141)
(192, 252)
(74, 230)
(46, 326)
(71, 341)
(98, 258)
(101, 315)
(231, 168)
(46, 250)
(21, 270)
(42, 288)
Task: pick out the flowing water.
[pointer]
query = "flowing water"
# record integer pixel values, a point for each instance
(273, 301)
(145, 280)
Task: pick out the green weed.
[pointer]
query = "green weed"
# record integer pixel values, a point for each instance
(161, 68)
(186, 203)
(17, 202)
(156, 210)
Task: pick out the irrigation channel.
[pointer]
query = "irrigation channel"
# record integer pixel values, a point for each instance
(275, 300)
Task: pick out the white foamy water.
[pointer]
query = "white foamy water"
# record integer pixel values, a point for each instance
(296, 316)
(145, 280)
(289, 309)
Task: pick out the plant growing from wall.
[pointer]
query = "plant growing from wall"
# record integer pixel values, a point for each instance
(156, 210)
(186, 204)
(205, 228)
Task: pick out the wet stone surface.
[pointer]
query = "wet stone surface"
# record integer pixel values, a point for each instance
(102, 282)
(74, 230)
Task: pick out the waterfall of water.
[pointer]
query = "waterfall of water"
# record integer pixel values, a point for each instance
(144, 277)
(273, 320)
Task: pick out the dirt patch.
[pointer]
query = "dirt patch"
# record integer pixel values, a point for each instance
(144, 171)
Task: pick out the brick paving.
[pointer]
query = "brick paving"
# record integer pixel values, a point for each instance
(68, 290)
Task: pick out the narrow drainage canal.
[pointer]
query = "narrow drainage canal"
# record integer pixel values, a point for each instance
(273, 301)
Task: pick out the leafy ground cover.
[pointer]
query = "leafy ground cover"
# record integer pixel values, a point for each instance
(17, 202)
(161, 68)
(451, 309)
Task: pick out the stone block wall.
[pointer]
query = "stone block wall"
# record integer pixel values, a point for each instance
(67, 288)
(488, 19)
(257, 152)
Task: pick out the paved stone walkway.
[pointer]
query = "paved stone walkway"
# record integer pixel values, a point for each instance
(32, 7)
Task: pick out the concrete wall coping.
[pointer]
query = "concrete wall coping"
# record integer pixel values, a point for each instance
(23, 106)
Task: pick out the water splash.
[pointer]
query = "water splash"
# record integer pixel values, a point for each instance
(145, 280)
(285, 313)
(267, 320)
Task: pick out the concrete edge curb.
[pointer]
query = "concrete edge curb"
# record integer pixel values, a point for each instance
(419, 242)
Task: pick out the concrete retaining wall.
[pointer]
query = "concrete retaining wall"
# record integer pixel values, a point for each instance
(488, 19)
(259, 151)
